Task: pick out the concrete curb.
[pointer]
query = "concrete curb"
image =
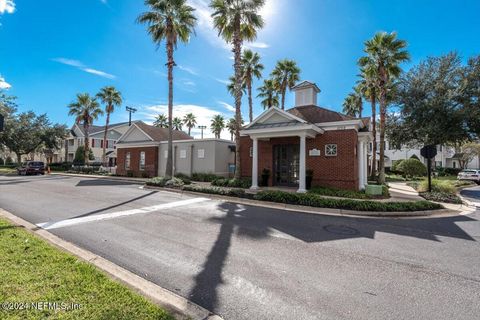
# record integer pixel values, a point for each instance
(178, 306)
(313, 210)
(113, 178)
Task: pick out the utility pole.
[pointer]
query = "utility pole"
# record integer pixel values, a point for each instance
(202, 128)
(130, 110)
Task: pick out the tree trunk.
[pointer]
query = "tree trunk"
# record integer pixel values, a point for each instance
(86, 148)
(104, 154)
(250, 102)
(189, 129)
(383, 115)
(170, 64)
(19, 159)
(284, 90)
(237, 44)
(374, 132)
(66, 150)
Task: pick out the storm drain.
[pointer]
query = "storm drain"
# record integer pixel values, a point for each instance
(340, 229)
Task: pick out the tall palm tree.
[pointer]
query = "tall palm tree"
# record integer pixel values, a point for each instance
(231, 86)
(386, 53)
(269, 94)
(177, 124)
(285, 74)
(86, 109)
(169, 20)
(190, 120)
(161, 121)
(350, 105)
(111, 97)
(368, 85)
(251, 68)
(217, 125)
(237, 21)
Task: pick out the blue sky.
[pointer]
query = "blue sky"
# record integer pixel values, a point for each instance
(52, 49)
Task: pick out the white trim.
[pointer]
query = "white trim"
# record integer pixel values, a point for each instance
(131, 128)
(137, 144)
(306, 84)
(266, 114)
(283, 131)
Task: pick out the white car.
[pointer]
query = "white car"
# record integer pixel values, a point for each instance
(469, 174)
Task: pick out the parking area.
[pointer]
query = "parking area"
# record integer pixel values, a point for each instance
(246, 262)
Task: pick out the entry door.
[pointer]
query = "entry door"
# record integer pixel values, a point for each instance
(286, 162)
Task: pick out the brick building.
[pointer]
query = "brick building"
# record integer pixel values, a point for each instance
(306, 137)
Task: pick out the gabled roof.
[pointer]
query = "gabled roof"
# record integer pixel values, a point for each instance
(288, 117)
(315, 114)
(95, 129)
(306, 84)
(153, 134)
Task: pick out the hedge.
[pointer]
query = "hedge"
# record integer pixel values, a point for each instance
(232, 183)
(233, 192)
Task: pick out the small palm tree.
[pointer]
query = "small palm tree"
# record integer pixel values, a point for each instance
(111, 98)
(85, 109)
(285, 74)
(217, 125)
(269, 94)
(385, 53)
(251, 68)
(190, 120)
(237, 21)
(161, 121)
(231, 125)
(353, 104)
(231, 87)
(177, 124)
(172, 21)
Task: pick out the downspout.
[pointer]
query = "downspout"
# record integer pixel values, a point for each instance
(174, 161)
(191, 160)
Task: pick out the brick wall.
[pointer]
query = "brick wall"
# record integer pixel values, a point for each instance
(151, 161)
(340, 171)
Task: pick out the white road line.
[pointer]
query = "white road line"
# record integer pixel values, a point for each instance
(113, 215)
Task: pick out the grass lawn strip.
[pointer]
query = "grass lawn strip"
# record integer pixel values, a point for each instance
(32, 270)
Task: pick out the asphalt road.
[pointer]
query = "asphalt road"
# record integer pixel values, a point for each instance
(246, 262)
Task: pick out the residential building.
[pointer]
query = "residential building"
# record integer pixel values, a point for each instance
(142, 152)
(307, 138)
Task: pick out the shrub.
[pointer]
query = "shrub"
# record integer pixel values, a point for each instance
(441, 197)
(2, 162)
(130, 173)
(452, 171)
(174, 183)
(412, 167)
(442, 186)
(239, 193)
(9, 161)
(396, 165)
(145, 174)
(60, 166)
(232, 183)
(203, 177)
(80, 157)
(186, 179)
(157, 182)
(333, 192)
(313, 200)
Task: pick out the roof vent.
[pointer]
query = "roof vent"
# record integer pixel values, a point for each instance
(306, 94)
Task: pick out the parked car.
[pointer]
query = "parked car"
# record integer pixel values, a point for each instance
(469, 174)
(31, 167)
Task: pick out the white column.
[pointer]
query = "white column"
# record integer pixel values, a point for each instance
(365, 164)
(361, 166)
(255, 165)
(302, 186)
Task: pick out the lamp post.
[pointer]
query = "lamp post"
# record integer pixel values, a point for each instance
(202, 128)
(130, 110)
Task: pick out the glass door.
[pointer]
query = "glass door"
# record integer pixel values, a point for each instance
(286, 162)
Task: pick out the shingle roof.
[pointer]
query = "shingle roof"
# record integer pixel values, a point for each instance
(316, 114)
(161, 134)
(95, 129)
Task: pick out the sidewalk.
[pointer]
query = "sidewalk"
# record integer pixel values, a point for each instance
(399, 191)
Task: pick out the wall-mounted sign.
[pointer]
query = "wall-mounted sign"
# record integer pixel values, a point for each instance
(201, 153)
(183, 154)
(314, 153)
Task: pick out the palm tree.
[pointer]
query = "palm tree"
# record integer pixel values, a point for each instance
(217, 125)
(368, 85)
(177, 124)
(237, 21)
(169, 20)
(385, 52)
(269, 94)
(285, 74)
(161, 121)
(251, 67)
(86, 109)
(231, 86)
(350, 106)
(231, 125)
(111, 98)
(190, 120)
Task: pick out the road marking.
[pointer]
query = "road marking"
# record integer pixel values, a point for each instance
(113, 215)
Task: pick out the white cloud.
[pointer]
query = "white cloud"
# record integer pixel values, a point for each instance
(4, 84)
(227, 106)
(189, 83)
(257, 45)
(188, 69)
(7, 6)
(225, 82)
(83, 67)
(204, 117)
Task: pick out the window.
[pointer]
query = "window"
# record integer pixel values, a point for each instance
(251, 152)
(93, 143)
(142, 160)
(127, 161)
(183, 154)
(331, 150)
(101, 144)
(201, 153)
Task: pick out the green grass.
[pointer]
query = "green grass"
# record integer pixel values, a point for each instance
(7, 170)
(31, 270)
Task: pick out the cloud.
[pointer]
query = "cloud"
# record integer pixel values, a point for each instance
(7, 6)
(257, 45)
(79, 65)
(227, 106)
(188, 69)
(225, 82)
(204, 117)
(4, 84)
(189, 83)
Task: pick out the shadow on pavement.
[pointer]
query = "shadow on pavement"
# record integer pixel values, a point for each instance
(102, 182)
